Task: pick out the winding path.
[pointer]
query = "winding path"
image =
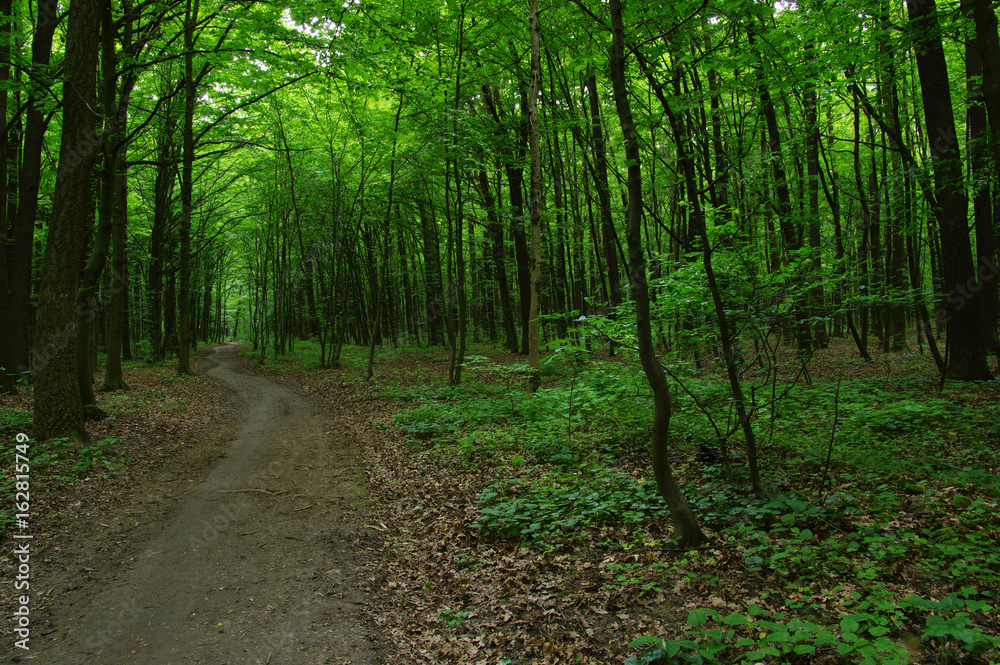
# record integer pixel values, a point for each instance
(254, 564)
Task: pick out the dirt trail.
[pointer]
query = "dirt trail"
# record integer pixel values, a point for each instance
(255, 563)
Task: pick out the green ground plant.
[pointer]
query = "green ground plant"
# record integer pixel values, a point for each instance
(906, 503)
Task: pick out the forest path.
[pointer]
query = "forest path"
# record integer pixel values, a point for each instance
(254, 564)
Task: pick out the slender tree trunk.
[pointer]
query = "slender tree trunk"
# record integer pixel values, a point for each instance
(515, 180)
(495, 234)
(609, 236)
(432, 274)
(700, 230)
(535, 153)
(458, 352)
(810, 102)
(370, 368)
(113, 379)
(158, 238)
(790, 233)
(187, 200)
(686, 528)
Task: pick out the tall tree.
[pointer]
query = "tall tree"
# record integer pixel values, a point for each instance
(8, 370)
(687, 531)
(535, 153)
(58, 409)
(17, 323)
(184, 337)
(966, 346)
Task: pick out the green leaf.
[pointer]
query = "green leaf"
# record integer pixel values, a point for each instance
(644, 640)
(736, 620)
(884, 644)
(849, 625)
(699, 617)
(804, 648)
(956, 627)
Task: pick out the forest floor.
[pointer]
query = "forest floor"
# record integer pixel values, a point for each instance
(282, 513)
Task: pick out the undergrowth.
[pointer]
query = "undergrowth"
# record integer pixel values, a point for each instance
(886, 553)
(60, 459)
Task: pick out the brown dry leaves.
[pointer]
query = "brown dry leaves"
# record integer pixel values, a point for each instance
(442, 594)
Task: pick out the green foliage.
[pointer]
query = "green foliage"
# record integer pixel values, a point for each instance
(451, 618)
(98, 455)
(863, 637)
(57, 458)
(558, 505)
(908, 496)
(12, 421)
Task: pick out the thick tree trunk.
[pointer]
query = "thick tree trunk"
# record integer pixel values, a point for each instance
(8, 369)
(988, 42)
(18, 322)
(58, 409)
(88, 306)
(686, 528)
(961, 310)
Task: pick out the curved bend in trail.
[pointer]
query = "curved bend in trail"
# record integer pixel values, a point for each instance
(253, 565)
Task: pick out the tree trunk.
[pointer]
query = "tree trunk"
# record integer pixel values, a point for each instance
(609, 236)
(432, 275)
(986, 234)
(117, 116)
(790, 233)
(58, 410)
(187, 202)
(495, 234)
(966, 346)
(8, 368)
(687, 531)
(18, 323)
(535, 153)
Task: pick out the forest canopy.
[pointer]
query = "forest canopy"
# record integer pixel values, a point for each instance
(695, 180)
